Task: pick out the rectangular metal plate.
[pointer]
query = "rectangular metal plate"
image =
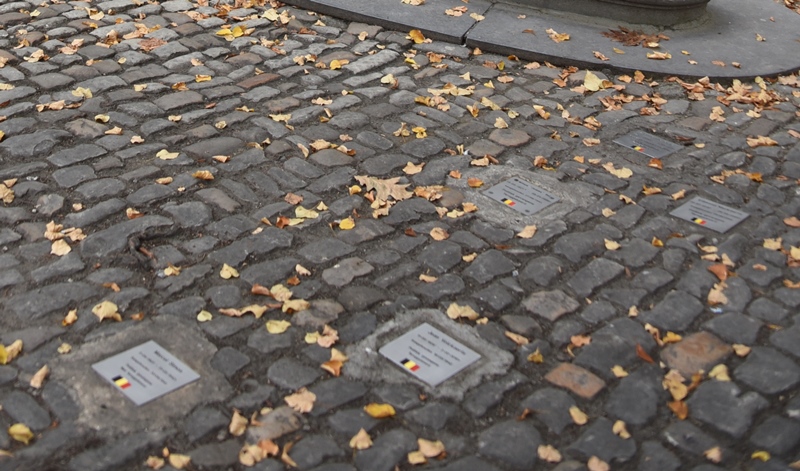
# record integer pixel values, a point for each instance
(145, 372)
(429, 354)
(710, 214)
(521, 196)
(648, 144)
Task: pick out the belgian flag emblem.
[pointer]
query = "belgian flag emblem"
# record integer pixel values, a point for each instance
(121, 382)
(509, 202)
(700, 221)
(410, 364)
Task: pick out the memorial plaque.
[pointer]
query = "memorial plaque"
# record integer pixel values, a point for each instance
(648, 144)
(429, 354)
(709, 214)
(521, 196)
(145, 372)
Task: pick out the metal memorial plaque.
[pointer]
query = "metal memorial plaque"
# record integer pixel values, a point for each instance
(520, 195)
(710, 214)
(648, 144)
(429, 354)
(145, 372)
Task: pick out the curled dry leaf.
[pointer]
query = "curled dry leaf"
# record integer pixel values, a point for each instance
(295, 305)
(107, 310)
(619, 371)
(596, 464)
(164, 154)
(527, 232)
(619, 429)
(580, 340)
(549, 453)
(347, 224)
(7, 354)
(427, 278)
(154, 462)
(20, 433)
(416, 457)
(578, 416)
(536, 357)
(611, 245)
(333, 367)
(411, 169)
(227, 272)
(38, 378)
(474, 182)
(64, 348)
(203, 175)
(238, 424)
(713, 454)
(60, 248)
(437, 233)
(517, 339)
(328, 338)
(70, 318)
(623, 172)
(716, 296)
(456, 311)
(379, 411)
(302, 401)
(204, 316)
(361, 440)
(679, 408)
(178, 461)
(719, 373)
(741, 350)
(430, 449)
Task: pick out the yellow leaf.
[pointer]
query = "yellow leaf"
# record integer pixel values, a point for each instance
(623, 172)
(416, 36)
(608, 212)
(312, 337)
(557, 37)
(416, 457)
(536, 357)
(456, 311)
(361, 440)
(202, 78)
(619, 371)
(773, 244)
(102, 118)
(82, 92)
(657, 55)
(611, 245)
(64, 348)
(741, 350)
(295, 305)
(760, 455)
(713, 454)
(347, 224)
(20, 433)
(337, 64)
(204, 316)
(304, 213)
(592, 82)
(720, 373)
(179, 461)
(277, 327)
(7, 354)
(516, 338)
(578, 416)
(154, 462)
(379, 411)
(227, 272)
(70, 318)
(500, 123)
(596, 464)
(527, 232)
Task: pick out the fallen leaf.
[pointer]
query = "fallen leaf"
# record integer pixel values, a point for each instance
(379, 411)
(611, 245)
(619, 371)
(623, 172)
(107, 310)
(411, 169)
(760, 455)
(60, 248)
(438, 234)
(456, 311)
(580, 340)
(596, 464)
(760, 141)
(716, 296)
(166, 155)
(227, 272)
(500, 123)
(527, 232)
(295, 305)
(773, 244)
(679, 408)
(416, 36)
(557, 37)
(713, 454)
(38, 378)
(277, 327)
(179, 461)
(642, 353)
(20, 433)
(517, 339)
(427, 278)
(792, 221)
(416, 457)
(619, 429)
(347, 224)
(719, 270)
(204, 316)
(741, 350)
(203, 175)
(238, 424)
(361, 440)
(536, 357)
(720, 373)
(608, 212)
(333, 367)
(302, 401)
(578, 416)
(154, 462)
(474, 182)
(549, 453)
(70, 318)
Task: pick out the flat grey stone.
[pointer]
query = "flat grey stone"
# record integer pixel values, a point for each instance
(599, 440)
(675, 312)
(511, 442)
(721, 405)
(550, 304)
(597, 273)
(24, 409)
(291, 374)
(387, 451)
(767, 371)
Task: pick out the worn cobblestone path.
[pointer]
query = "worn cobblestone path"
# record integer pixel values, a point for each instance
(178, 148)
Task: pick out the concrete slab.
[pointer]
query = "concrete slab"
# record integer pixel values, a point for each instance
(727, 35)
(392, 14)
(102, 407)
(366, 364)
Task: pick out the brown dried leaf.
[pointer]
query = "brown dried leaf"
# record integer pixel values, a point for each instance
(302, 401)
(38, 378)
(238, 424)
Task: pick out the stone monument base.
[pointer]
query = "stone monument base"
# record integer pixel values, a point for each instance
(647, 12)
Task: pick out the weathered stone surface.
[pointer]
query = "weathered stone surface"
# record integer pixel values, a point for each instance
(695, 352)
(550, 304)
(576, 379)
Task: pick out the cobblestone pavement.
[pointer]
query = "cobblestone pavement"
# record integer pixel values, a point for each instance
(180, 141)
